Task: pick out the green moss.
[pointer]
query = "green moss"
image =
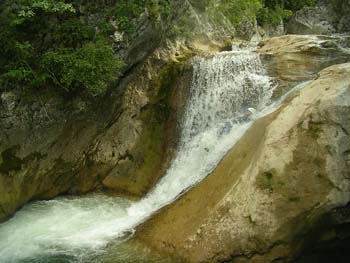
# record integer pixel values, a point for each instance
(10, 162)
(236, 11)
(164, 83)
(265, 180)
(294, 199)
(34, 156)
(315, 130)
(330, 150)
(62, 164)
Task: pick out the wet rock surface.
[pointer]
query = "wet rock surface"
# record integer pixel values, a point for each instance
(262, 201)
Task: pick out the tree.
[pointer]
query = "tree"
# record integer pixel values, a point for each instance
(47, 44)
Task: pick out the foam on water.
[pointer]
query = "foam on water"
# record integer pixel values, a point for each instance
(64, 226)
(216, 116)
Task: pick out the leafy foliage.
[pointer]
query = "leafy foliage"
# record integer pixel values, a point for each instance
(66, 44)
(274, 11)
(48, 44)
(127, 12)
(92, 67)
(237, 10)
(273, 16)
(340, 6)
(266, 11)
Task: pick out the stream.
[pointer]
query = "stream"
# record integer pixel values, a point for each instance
(229, 91)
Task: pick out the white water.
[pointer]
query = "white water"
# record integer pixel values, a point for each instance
(222, 89)
(64, 226)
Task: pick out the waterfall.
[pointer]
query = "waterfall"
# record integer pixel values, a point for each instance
(223, 88)
(228, 92)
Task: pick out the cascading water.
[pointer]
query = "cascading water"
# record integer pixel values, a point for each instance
(228, 92)
(223, 89)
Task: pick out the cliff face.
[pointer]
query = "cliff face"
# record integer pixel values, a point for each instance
(291, 59)
(51, 144)
(328, 17)
(290, 169)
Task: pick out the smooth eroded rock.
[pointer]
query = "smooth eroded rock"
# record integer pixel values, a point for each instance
(288, 171)
(292, 59)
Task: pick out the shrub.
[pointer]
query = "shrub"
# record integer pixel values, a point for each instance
(276, 10)
(238, 10)
(49, 44)
(273, 16)
(91, 67)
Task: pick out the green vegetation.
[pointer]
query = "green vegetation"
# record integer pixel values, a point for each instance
(274, 11)
(92, 67)
(237, 10)
(67, 45)
(273, 16)
(47, 44)
(265, 181)
(266, 11)
(342, 8)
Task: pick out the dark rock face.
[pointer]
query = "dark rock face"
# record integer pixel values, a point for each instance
(325, 18)
(312, 20)
(329, 241)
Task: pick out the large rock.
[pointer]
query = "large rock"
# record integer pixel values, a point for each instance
(51, 144)
(312, 20)
(292, 59)
(327, 17)
(289, 170)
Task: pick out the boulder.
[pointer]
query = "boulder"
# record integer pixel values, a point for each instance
(272, 190)
(327, 17)
(292, 59)
(312, 20)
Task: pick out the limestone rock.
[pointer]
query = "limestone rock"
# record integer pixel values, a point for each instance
(311, 20)
(292, 59)
(259, 204)
(49, 146)
(327, 17)
(122, 142)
